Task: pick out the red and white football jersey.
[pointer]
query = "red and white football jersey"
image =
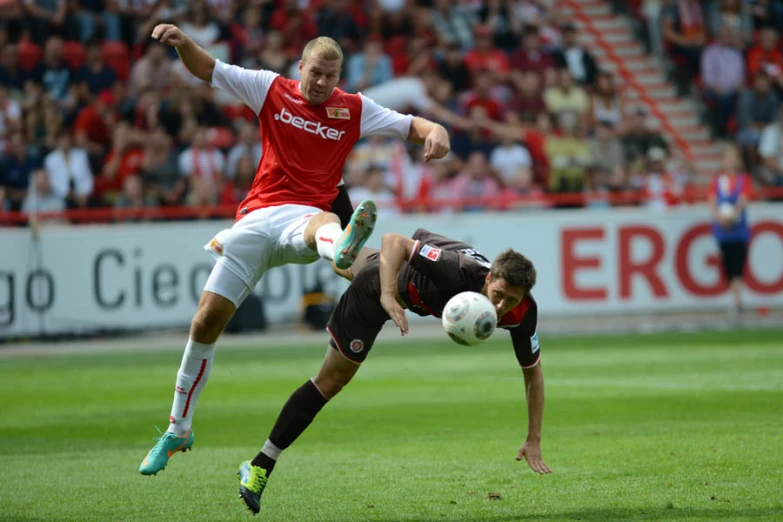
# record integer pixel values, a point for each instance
(304, 145)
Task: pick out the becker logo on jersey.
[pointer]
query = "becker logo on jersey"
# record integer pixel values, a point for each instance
(313, 127)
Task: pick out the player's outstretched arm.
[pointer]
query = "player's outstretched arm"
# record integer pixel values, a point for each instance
(433, 135)
(395, 249)
(199, 62)
(534, 390)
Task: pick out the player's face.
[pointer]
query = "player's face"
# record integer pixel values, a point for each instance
(319, 77)
(502, 295)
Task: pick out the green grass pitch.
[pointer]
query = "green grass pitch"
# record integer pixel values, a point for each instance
(663, 427)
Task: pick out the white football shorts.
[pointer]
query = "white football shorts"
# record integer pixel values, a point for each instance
(265, 238)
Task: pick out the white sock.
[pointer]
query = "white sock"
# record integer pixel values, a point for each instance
(270, 450)
(325, 238)
(191, 379)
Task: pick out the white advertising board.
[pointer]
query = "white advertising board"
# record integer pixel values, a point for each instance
(135, 276)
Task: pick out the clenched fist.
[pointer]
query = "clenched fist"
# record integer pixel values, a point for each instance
(169, 34)
(437, 144)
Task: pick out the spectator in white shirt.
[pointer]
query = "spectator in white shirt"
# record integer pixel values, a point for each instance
(203, 167)
(373, 188)
(512, 161)
(771, 152)
(69, 171)
(10, 115)
(41, 198)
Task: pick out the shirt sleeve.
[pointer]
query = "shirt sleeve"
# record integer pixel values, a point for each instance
(442, 267)
(248, 86)
(747, 186)
(184, 163)
(523, 155)
(525, 339)
(377, 120)
(768, 143)
(712, 190)
(220, 161)
(83, 174)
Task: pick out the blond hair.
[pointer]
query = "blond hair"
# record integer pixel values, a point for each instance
(323, 47)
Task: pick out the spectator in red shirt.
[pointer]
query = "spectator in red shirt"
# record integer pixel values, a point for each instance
(766, 56)
(484, 57)
(298, 26)
(529, 100)
(93, 124)
(530, 57)
(123, 160)
(659, 189)
(480, 96)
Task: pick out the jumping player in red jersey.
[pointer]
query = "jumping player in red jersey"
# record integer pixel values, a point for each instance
(420, 274)
(308, 127)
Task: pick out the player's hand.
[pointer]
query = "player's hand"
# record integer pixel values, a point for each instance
(437, 144)
(169, 34)
(395, 311)
(531, 451)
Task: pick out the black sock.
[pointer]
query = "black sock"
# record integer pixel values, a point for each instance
(297, 414)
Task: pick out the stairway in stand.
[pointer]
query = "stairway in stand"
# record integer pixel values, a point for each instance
(641, 82)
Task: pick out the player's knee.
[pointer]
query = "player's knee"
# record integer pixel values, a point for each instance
(332, 383)
(206, 326)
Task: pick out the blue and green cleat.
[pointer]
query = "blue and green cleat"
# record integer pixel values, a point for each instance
(252, 481)
(355, 235)
(168, 444)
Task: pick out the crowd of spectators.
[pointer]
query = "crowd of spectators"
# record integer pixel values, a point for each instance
(94, 113)
(728, 53)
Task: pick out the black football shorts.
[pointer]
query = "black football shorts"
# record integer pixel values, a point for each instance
(359, 316)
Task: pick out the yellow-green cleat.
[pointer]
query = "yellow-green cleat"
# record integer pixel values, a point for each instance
(168, 444)
(355, 235)
(252, 481)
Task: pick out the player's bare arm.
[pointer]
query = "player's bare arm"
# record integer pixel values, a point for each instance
(534, 391)
(199, 62)
(395, 249)
(434, 136)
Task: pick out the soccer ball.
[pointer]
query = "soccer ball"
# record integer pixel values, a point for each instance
(726, 210)
(469, 318)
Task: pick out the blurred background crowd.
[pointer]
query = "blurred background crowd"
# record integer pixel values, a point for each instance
(93, 113)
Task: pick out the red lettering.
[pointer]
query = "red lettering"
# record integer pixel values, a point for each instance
(645, 268)
(760, 287)
(571, 264)
(684, 272)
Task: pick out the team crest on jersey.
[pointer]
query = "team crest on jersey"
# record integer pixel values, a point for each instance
(356, 346)
(215, 245)
(338, 113)
(433, 254)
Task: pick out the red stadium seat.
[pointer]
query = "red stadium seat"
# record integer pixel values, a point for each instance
(116, 56)
(74, 55)
(29, 55)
